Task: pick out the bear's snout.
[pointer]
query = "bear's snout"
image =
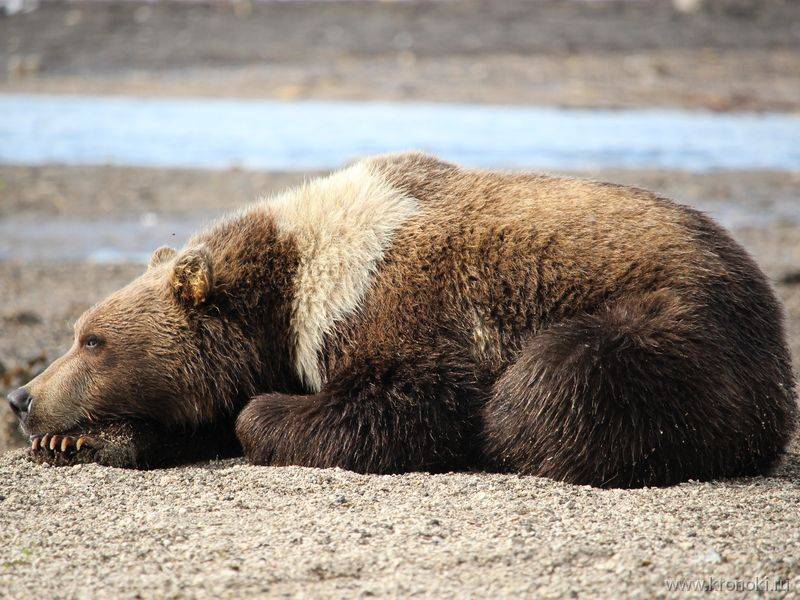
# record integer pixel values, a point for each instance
(20, 401)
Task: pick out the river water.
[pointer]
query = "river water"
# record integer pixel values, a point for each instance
(219, 134)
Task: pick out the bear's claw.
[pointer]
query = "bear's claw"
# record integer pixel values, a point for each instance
(56, 442)
(62, 449)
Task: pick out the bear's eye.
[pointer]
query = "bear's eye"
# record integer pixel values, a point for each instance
(92, 342)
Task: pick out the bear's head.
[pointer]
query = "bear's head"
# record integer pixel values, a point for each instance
(155, 350)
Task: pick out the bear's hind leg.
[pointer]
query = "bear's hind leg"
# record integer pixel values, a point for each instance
(638, 393)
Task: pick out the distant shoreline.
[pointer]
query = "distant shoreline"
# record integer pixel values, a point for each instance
(722, 56)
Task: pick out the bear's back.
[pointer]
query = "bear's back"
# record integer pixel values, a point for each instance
(535, 244)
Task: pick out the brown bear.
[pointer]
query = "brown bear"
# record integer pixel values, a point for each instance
(407, 314)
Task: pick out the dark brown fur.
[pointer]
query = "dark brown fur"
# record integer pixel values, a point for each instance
(586, 332)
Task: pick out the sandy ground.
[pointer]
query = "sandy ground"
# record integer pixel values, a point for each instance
(230, 529)
(726, 55)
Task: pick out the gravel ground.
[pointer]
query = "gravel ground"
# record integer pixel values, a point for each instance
(230, 529)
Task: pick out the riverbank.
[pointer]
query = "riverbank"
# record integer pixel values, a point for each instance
(722, 55)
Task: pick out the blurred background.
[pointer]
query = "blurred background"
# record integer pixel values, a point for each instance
(124, 125)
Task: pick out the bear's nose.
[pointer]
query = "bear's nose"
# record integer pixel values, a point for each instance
(20, 401)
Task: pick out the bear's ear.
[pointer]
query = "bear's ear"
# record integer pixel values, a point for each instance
(160, 256)
(193, 276)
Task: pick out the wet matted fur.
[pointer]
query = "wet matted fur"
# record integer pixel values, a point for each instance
(407, 314)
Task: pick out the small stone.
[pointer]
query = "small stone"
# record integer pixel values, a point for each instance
(73, 18)
(142, 14)
(687, 6)
(22, 317)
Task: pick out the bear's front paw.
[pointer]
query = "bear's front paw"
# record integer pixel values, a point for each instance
(265, 428)
(113, 445)
(64, 450)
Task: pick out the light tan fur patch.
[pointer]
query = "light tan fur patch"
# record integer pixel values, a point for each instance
(342, 224)
(485, 339)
